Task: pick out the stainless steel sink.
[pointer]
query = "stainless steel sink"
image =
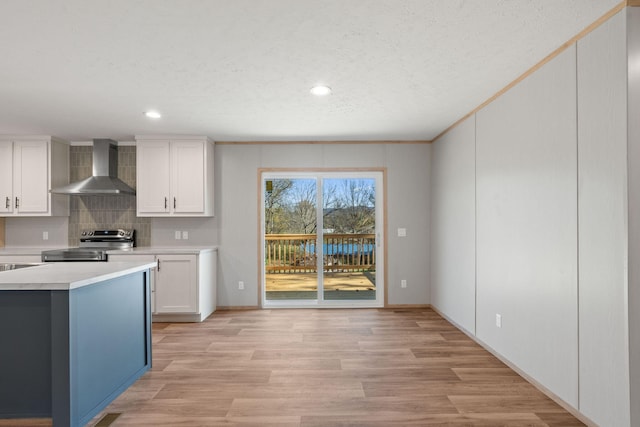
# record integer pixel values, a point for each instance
(6, 266)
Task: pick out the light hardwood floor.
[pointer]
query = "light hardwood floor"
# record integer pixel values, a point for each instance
(363, 367)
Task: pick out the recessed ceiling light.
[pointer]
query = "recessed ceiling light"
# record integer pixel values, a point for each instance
(152, 114)
(321, 90)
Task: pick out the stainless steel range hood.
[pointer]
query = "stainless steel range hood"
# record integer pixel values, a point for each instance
(105, 179)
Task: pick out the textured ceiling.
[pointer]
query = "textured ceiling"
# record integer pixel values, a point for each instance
(241, 69)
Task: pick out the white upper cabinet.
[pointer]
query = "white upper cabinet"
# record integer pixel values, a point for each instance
(6, 177)
(29, 167)
(188, 177)
(174, 176)
(152, 177)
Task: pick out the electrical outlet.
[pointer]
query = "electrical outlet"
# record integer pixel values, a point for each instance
(177, 235)
(241, 286)
(185, 235)
(402, 232)
(498, 320)
(45, 235)
(403, 283)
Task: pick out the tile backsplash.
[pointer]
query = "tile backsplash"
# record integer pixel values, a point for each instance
(87, 212)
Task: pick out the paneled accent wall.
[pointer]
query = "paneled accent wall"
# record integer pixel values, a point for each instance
(633, 158)
(603, 218)
(453, 224)
(526, 216)
(105, 211)
(557, 229)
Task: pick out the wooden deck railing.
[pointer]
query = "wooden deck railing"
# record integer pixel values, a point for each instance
(297, 253)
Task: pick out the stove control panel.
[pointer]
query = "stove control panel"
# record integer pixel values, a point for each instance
(121, 237)
(115, 234)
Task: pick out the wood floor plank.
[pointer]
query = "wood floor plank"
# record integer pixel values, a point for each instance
(164, 420)
(312, 368)
(344, 390)
(204, 367)
(363, 374)
(510, 403)
(449, 388)
(449, 420)
(431, 362)
(396, 354)
(355, 407)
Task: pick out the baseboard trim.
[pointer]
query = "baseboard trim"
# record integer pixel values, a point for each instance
(257, 307)
(551, 395)
(397, 306)
(176, 318)
(237, 307)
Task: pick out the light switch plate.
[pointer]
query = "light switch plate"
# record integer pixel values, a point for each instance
(177, 235)
(402, 232)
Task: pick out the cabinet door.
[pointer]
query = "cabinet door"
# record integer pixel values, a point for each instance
(31, 177)
(152, 178)
(176, 284)
(187, 177)
(6, 177)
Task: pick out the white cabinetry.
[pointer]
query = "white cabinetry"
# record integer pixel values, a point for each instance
(29, 167)
(174, 176)
(183, 286)
(177, 284)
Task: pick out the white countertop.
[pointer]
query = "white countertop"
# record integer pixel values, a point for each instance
(67, 275)
(18, 251)
(142, 250)
(153, 250)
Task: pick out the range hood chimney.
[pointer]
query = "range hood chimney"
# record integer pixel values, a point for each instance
(105, 179)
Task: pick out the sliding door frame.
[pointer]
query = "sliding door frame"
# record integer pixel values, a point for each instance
(260, 234)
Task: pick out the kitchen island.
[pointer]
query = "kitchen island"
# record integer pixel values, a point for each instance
(73, 336)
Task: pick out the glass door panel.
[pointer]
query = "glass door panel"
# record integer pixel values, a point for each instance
(349, 239)
(290, 225)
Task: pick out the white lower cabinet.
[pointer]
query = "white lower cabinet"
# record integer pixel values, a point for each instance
(183, 286)
(177, 284)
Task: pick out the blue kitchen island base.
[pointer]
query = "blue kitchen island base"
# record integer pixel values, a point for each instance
(67, 354)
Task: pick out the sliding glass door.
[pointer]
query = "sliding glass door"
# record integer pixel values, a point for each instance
(322, 239)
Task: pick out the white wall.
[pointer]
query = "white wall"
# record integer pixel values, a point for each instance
(633, 297)
(237, 210)
(27, 232)
(200, 231)
(453, 222)
(237, 204)
(602, 213)
(527, 226)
